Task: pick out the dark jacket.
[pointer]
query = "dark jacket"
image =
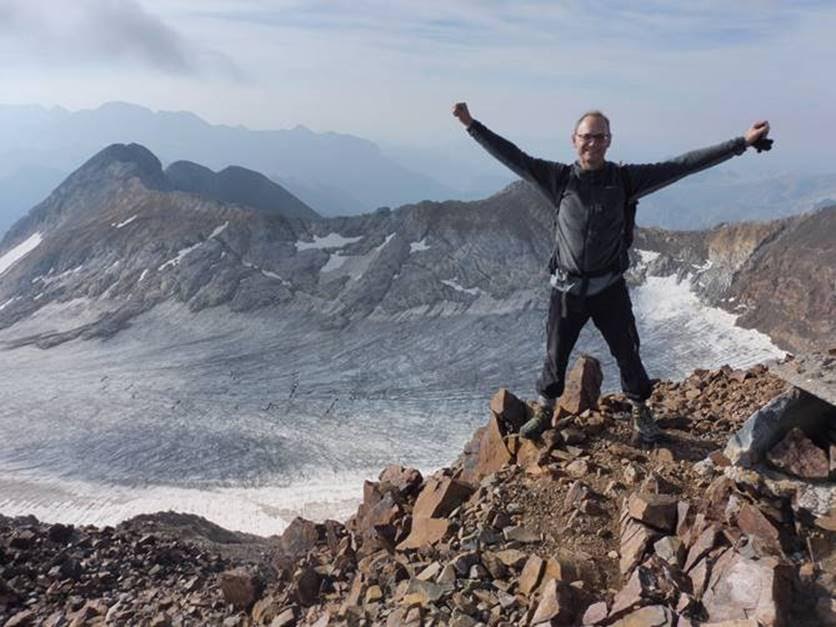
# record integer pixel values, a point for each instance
(589, 225)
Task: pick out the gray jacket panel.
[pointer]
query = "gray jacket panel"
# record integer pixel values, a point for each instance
(589, 225)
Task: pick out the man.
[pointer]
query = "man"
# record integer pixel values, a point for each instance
(591, 198)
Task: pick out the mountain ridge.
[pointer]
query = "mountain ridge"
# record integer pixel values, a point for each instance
(140, 241)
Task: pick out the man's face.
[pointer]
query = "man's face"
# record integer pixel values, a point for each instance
(591, 140)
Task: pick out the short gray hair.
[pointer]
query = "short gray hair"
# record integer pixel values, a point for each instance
(595, 113)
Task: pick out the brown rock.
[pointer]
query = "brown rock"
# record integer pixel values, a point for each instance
(655, 483)
(556, 604)
(570, 435)
(655, 510)
(832, 461)
(648, 616)
(531, 575)
(286, 618)
(671, 549)
(512, 557)
(717, 496)
(595, 613)
(635, 538)
(798, 455)
(440, 496)
(509, 409)
(306, 583)
(578, 468)
(495, 567)
(239, 587)
(684, 518)
(754, 524)
(528, 453)
(631, 595)
(561, 568)
(300, 536)
(265, 610)
(424, 532)
(828, 521)
(405, 480)
(753, 589)
(576, 493)
(704, 543)
(21, 619)
(493, 453)
(699, 577)
(583, 386)
(521, 533)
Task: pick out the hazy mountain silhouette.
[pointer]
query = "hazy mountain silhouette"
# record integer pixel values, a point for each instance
(334, 173)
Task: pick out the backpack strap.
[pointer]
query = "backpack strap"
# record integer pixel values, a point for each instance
(630, 206)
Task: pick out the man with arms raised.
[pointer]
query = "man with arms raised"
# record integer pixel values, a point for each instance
(593, 230)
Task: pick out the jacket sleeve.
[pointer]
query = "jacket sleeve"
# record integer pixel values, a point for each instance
(648, 177)
(547, 176)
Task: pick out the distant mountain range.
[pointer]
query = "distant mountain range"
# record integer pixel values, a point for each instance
(122, 235)
(331, 172)
(339, 174)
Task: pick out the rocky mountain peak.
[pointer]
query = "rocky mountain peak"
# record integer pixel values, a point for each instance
(238, 185)
(124, 161)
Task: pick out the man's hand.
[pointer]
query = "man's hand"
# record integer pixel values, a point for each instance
(759, 130)
(461, 112)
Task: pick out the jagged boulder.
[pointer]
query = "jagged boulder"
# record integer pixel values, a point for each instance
(742, 588)
(583, 385)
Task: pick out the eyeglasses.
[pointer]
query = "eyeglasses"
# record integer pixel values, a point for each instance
(588, 137)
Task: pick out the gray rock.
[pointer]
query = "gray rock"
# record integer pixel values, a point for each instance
(768, 425)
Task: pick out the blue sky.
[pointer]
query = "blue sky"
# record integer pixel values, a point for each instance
(671, 75)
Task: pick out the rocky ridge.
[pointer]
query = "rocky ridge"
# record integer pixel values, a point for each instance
(121, 236)
(578, 527)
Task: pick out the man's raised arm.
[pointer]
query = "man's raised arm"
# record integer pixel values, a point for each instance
(648, 177)
(545, 175)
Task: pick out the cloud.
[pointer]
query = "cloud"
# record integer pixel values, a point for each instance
(100, 33)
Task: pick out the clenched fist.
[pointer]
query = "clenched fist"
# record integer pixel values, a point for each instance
(461, 112)
(758, 131)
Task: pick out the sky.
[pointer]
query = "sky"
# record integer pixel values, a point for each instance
(670, 75)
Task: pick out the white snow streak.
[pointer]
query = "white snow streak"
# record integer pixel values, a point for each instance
(415, 247)
(125, 223)
(647, 255)
(19, 251)
(474, 291)
(332, 240)
(180, 255)
(219, 230)
(9, 302)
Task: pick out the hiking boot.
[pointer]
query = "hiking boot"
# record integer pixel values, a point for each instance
(540, 420)
(645, 429)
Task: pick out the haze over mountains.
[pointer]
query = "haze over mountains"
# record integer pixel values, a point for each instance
(339, 174)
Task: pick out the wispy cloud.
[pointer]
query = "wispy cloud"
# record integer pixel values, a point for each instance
(100, 33)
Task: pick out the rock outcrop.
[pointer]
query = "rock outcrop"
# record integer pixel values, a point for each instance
(577, 527)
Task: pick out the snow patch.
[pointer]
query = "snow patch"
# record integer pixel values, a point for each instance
(647, 256)
(334, 262)
(219, 230)
(9, 302)
(267, 273)
(416, 247)
(19, 251)
(473, 291)
(180, 255)
(125, 223)
(142, 276)
(332, 240)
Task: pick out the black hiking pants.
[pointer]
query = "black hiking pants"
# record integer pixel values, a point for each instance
(612, 313)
